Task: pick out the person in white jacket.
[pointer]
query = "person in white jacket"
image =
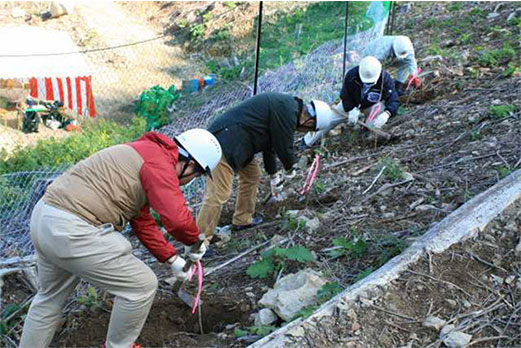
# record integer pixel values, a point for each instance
(398, 51)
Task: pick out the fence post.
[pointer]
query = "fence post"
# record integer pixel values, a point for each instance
(345, 39)
(257, 50)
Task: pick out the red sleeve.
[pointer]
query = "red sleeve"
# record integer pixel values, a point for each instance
(149, 234)
(164, 195)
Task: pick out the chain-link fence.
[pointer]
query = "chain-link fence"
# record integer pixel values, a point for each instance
(308, 65)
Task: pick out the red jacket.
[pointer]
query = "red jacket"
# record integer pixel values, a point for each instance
(159, 179)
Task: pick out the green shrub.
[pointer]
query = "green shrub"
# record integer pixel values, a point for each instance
(274, 260)
(53, 152)
(500, 111)
(492, 58)
(393, 171)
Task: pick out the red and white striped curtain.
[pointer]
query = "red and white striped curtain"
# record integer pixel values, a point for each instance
(74, 92)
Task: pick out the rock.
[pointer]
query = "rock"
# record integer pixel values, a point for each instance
(456, 339)
(425, 207)
(492, 15)
(407, 176)
(223, 233)
(518, 284)
(293, 293)
(297, 332)
(518, 248)
(497, 280)
(490, 238)
(466, 303)
(357, 209)
(265, 317)
(446, 330)
(432, 58)
(510, 279)
(434, 322)
(516, 13)
(496, 102)
(356, 326)
(451, 303)
(311, 224)
(250, 294)
(57, 10)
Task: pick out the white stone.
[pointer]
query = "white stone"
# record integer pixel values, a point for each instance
(518, 249)
(265, 317)
(492, 15)
(457, 339)
(311, 224)
(434, 322)
(510, 279)
(451, 302)
(292, 293)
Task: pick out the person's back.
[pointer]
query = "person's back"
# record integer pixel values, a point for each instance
(263, 123)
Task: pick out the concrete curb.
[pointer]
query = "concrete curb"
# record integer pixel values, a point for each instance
(463, 223)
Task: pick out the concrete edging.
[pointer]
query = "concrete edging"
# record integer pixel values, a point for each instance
(465, 222)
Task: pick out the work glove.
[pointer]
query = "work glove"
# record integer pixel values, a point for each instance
(177, 263)
(277, 186)
(380, 120)
(415, 81)
(353, 115)
(303, 146)
(195, 255)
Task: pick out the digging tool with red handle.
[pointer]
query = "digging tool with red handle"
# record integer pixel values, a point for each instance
(184, 295)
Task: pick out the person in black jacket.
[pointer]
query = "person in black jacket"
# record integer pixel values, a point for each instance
(367, 90)
(264, 123)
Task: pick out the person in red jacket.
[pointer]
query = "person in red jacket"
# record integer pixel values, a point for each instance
(75, 229)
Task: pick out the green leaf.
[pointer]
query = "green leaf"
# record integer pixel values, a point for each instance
(328, 290)
(10, 309)
(296, 253)
(240, 333)
(261, 269)
(262, 330)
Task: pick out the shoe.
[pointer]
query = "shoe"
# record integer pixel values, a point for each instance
(256, 220)
(210, 253)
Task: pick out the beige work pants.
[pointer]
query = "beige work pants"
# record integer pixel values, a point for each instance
(67, 249)
(218, 191)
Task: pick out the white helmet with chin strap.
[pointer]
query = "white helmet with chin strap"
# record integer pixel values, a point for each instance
(203, 147)
(323, 113)
(402, 47)
(370, 69)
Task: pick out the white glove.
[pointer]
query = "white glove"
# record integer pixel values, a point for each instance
(277, 184)
(380, 120)
(195, 255)
(177, 263)
(353, 115)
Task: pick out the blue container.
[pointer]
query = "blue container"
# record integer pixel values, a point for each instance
(209, 80)
(190, 85)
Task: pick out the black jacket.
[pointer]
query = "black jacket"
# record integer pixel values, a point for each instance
(264, 123)
(352, 90)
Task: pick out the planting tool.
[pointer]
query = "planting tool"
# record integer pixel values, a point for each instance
(183, 294)
(377, 131)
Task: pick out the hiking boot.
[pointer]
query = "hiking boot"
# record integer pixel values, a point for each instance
(256, 220)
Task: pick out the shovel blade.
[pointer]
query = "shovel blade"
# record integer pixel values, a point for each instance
(186, 297)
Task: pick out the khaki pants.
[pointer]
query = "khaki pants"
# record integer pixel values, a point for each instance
(67, 249)
(218, 191)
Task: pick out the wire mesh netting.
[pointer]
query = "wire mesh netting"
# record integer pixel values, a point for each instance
(315, 74)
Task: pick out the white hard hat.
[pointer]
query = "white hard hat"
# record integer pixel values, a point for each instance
(370, 69)
(402, 47)
(203, 147)
(324, 114)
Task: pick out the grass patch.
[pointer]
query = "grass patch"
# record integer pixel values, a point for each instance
(53, 152)
(393, 171)
(493, 58)
(501, 111)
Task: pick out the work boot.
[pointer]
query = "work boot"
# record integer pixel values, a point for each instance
(256, 220)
